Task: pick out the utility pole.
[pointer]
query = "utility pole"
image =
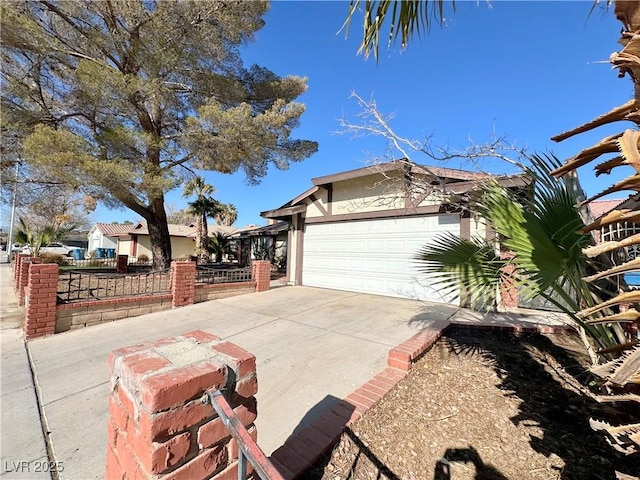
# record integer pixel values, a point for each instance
(13, 217)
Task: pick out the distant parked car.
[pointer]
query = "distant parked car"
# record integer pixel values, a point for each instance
(53, 248)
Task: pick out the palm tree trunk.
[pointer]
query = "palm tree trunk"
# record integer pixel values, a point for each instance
(204, 240)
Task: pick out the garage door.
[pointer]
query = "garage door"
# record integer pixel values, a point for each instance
(374, 256)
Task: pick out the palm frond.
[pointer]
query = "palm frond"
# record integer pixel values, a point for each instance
(464, 268)
(405, 18)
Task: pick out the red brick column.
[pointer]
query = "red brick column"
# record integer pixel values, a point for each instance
(183, 283)
(15, 266)
(23, 277)
(159, 427)
(41, 290)
(508, 286)
(261, 272)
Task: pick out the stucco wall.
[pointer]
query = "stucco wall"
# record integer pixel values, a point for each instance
(181, 247)
(367, 194)
(313, 209)
(98, 240)
(478, 226)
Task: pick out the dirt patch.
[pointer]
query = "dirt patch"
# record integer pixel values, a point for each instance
(486, 405)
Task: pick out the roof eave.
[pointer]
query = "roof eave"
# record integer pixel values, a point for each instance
(284, 213)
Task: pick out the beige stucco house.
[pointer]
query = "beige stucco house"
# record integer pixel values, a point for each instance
(359, 230)
(136, 242)
(133, 240)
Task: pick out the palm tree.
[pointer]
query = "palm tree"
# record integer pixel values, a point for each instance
(545, 245)
(228, 214)
(219, 245)
(201, 207)
(36, 239)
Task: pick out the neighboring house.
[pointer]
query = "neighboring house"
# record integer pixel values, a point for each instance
(272, 237)
(135, 242)
(619, 231)
(360, 230)
(597, 209)
(106, 235)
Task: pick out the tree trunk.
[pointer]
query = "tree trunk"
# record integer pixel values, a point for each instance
(204, 241)
(159, 236)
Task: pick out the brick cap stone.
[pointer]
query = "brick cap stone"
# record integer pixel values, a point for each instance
(161, 374)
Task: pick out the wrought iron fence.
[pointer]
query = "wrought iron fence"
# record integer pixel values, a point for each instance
(77, 286)
(209, 275)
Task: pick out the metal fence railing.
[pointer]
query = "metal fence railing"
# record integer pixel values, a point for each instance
(249, 451)
(209, 275)
(78, 286)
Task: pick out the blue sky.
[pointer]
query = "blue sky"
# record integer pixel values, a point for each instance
(528, 70)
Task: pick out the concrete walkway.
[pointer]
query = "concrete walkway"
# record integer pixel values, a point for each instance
(313, 347)
(22, 447)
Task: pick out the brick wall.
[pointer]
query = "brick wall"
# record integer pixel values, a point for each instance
(23, 277)
(72, 316)
(183, 283)
(159, 426)
(42, 285)
(76, 315)
(204, 293)
(508, 287)
(261, 271)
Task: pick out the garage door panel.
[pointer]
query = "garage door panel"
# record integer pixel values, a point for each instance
(374, 256)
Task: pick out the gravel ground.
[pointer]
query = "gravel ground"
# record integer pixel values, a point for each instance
(485, 405)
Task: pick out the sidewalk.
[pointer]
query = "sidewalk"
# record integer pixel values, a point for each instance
(22, 446)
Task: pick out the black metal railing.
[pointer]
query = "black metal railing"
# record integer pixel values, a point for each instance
(249, 451)
(210, 275)
(78, 286)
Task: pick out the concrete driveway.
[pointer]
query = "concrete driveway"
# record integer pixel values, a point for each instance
(313, 346)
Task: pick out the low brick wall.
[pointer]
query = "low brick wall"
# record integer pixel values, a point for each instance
(44, 315)
(86, 314)
(205, 293)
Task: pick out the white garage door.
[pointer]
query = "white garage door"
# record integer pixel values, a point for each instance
(374, 256)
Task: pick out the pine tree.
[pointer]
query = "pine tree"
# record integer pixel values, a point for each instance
(116, 97)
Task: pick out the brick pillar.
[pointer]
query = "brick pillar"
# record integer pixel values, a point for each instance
(183, 283)
(122, 265)
(261, 272)
(41, 291)
(17, 260)
(158, 425)
(23, 277)
(508, 286)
